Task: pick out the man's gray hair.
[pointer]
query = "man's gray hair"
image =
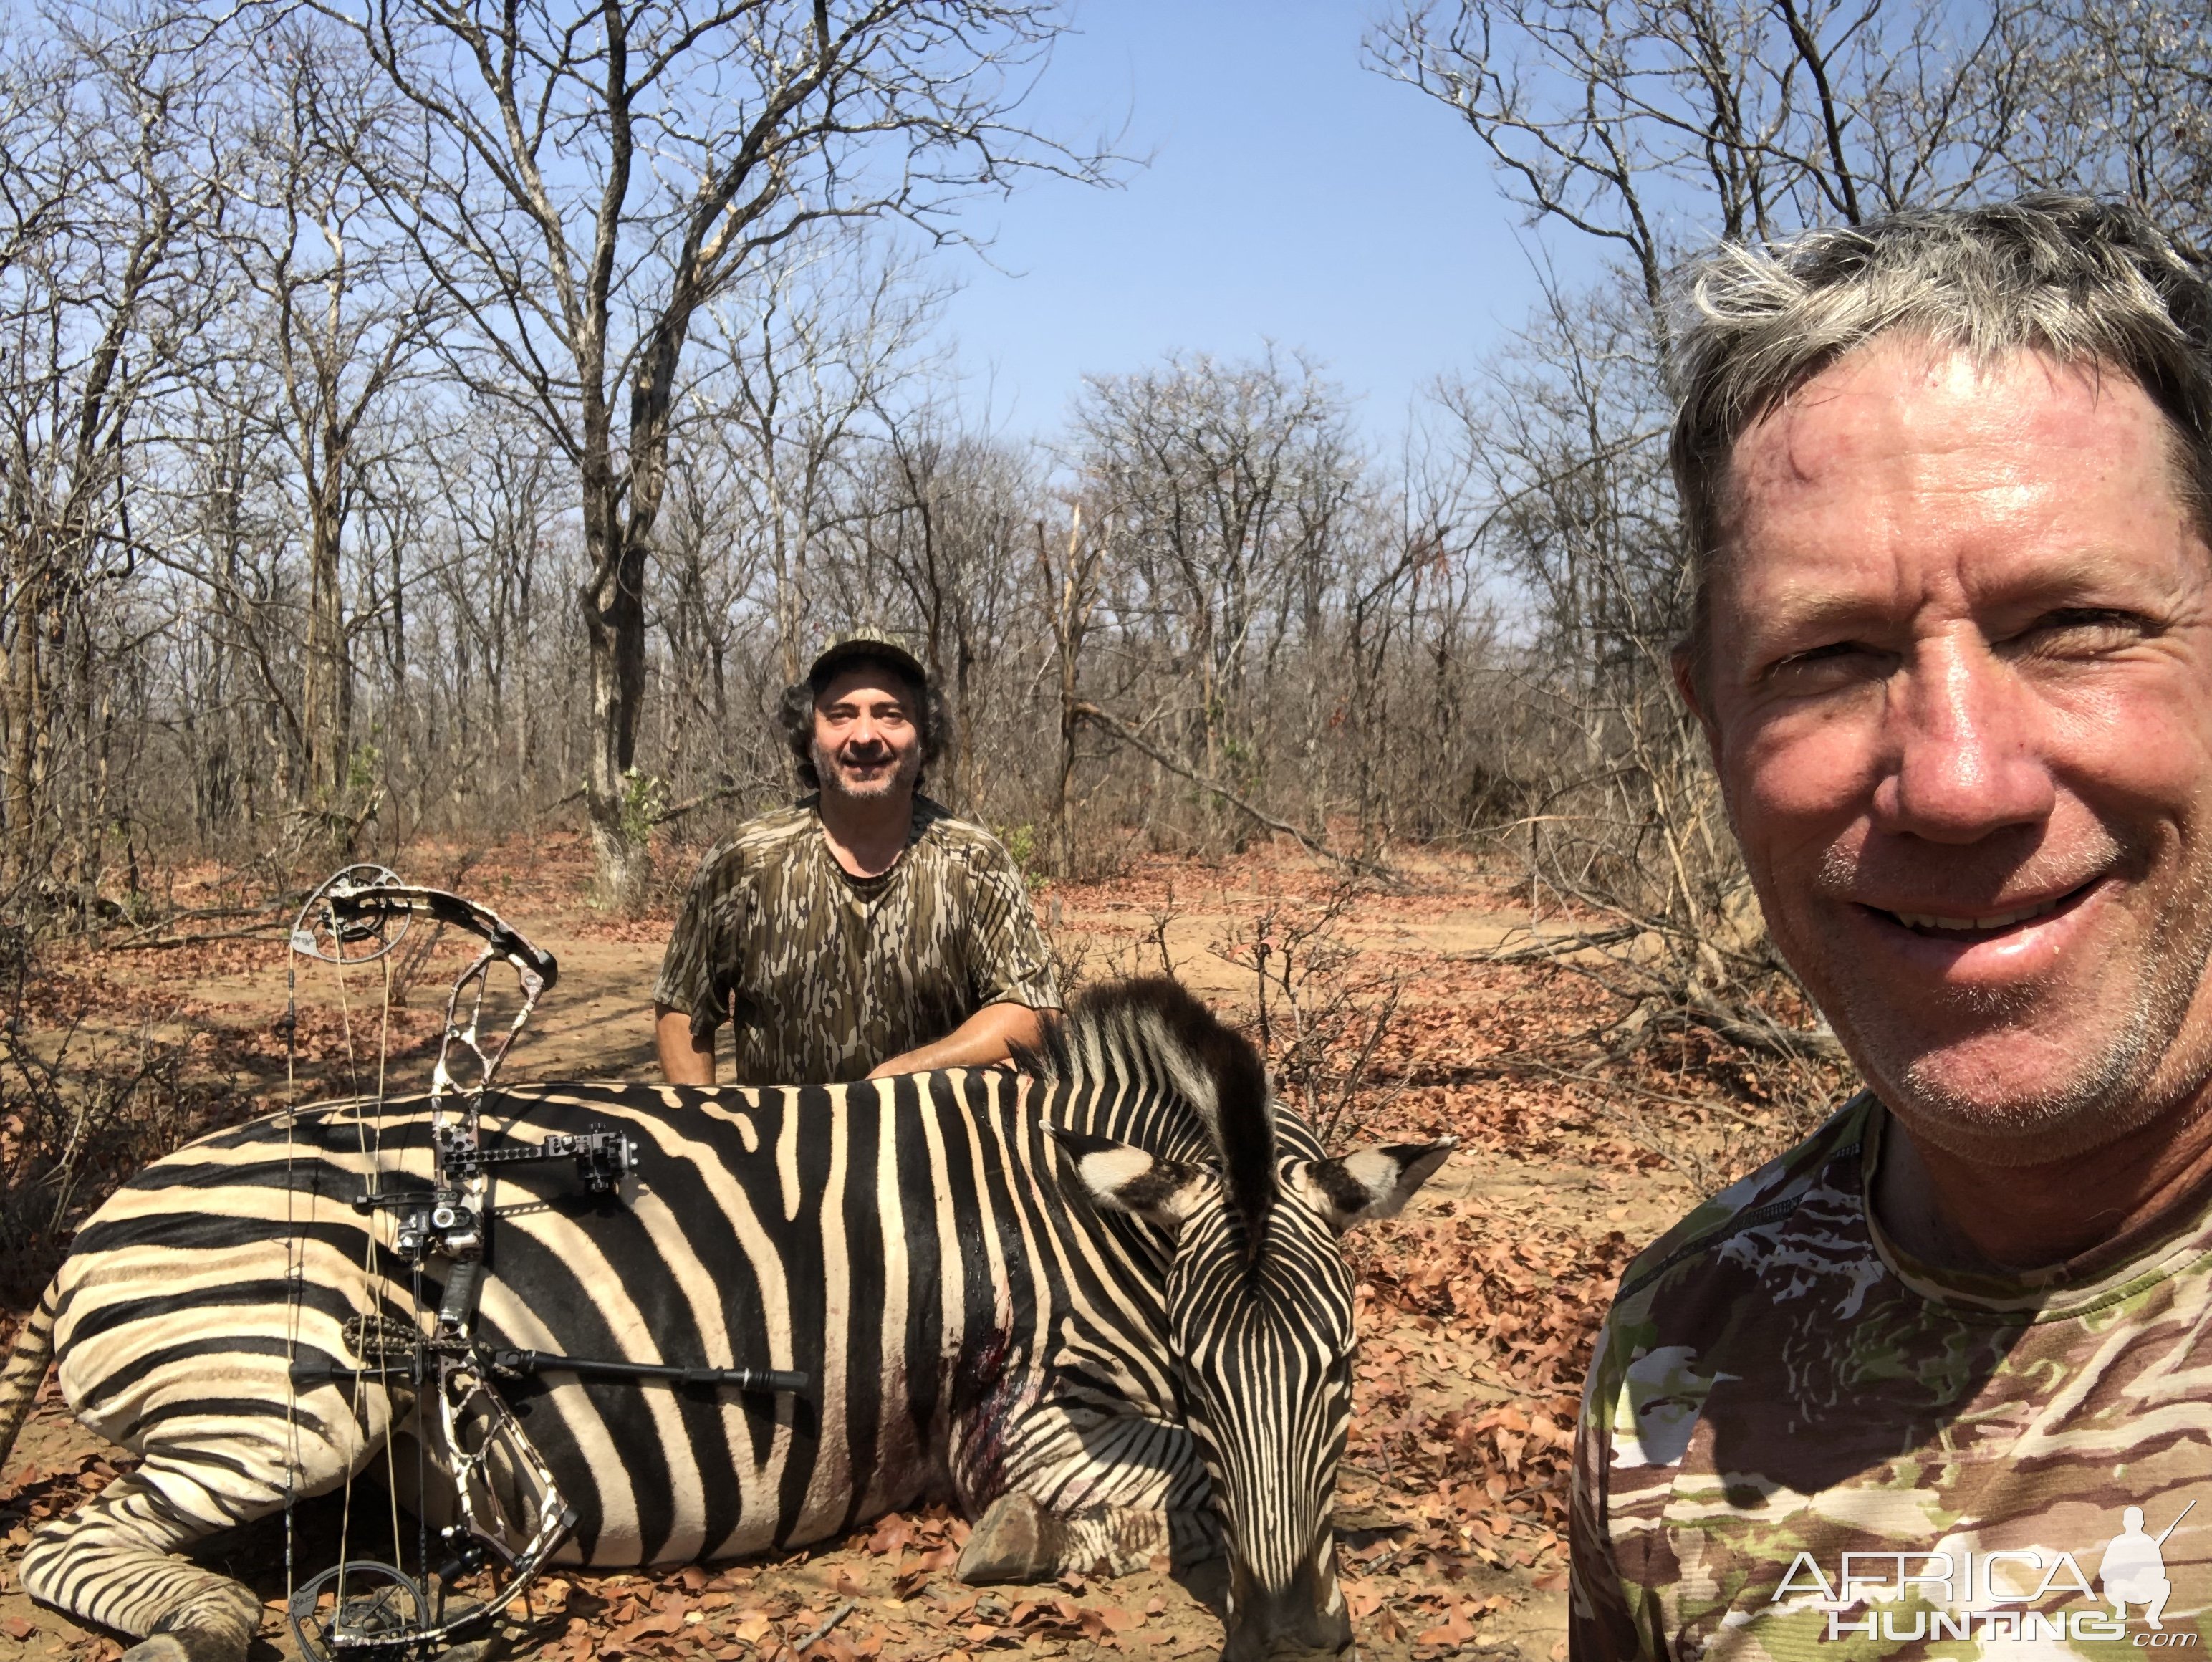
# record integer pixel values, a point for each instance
(2083, 281)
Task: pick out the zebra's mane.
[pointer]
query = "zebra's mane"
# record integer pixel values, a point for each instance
(1155, 1023)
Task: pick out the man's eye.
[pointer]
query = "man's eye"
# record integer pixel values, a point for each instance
(2078, 633)
(1833, 665)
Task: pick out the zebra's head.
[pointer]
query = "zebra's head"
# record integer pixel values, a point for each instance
(1259, 1306)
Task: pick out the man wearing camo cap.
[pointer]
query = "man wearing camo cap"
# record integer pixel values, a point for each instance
(864, 931)
(1927, 1383)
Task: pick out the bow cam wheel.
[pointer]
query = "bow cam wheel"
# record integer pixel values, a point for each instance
(342, 923)
(361, 1609)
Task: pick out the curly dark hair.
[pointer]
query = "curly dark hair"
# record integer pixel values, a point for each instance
(795, 711)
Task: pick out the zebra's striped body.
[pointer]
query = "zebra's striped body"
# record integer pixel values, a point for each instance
(970, 1333)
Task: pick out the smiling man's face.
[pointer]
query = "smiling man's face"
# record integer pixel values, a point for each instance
(866, 746)
(1958, 685)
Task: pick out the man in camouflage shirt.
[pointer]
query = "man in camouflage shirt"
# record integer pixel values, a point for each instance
(864, 931)
(1938, 1382)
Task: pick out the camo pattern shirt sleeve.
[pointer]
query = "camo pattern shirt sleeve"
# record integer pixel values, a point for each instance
(821, 976)
(688, 981)
(1011, 964)
(1798, 1443)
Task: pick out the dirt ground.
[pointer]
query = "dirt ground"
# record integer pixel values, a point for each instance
(1476, 1307)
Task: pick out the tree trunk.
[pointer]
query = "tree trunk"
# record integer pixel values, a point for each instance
(614, 634)
(27, 735)
(324, 703)
(614, 613)
(1070, 606)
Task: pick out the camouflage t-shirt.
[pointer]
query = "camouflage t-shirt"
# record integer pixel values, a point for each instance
(1798, 1442)
(823, 975)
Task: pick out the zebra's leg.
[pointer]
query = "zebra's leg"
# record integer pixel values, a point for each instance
(113, 1560)
(1017, 1539)
(1122, 1540)
(1088, 1489)
(210, 1463)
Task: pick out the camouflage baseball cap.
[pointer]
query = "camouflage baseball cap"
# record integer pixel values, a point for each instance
(875, 645)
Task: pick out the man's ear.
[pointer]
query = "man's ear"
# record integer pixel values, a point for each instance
(1115, 1177)
(1689, 681)
(1367, 1185)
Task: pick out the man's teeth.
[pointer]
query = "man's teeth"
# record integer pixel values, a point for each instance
(1993, 920)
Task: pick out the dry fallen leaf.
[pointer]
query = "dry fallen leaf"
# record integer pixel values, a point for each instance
(1455, 1631)
(752, 1627)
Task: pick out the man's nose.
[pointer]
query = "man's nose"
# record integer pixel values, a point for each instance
(1963, 759)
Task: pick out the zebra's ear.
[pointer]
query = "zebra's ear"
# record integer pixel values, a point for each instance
(1367, 1185)
(1116, 1177)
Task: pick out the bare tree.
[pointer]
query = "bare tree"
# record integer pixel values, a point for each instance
(952, 533)
(804, 364)
(612, 170)
(104, 290)
(1070, 597)
(346, 320)
(1651, 124)
(1201, 464)
(670, 420)
(1388, 550)
(1651, 127)
(2124, 105)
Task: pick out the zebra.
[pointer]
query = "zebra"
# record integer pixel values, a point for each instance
(1098, 1304)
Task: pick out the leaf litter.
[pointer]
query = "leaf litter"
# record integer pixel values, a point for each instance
(1476, 1309)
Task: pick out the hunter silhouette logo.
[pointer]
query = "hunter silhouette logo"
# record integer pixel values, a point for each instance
(2134, 1570)
(1991, 1594)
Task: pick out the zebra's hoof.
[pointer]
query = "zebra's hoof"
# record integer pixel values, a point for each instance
(1013, 1541)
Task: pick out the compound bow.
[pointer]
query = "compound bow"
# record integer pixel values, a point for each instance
(372, 1608)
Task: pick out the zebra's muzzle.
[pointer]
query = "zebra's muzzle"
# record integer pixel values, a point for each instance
(1290, 1624)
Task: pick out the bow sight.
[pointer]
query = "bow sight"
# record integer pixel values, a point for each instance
(511, 1513)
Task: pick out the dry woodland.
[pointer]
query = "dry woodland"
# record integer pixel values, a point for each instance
(436, 433)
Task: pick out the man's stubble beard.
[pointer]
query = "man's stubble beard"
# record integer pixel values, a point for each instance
(905, 776)
(2116, 1091)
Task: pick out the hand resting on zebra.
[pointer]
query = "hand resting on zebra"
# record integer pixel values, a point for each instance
(1098, 1304)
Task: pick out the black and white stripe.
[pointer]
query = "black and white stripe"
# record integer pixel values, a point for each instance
(970, 1333)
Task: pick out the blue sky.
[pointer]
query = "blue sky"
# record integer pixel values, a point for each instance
(1292, 194)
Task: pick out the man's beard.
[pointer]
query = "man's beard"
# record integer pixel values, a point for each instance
(2116, 1085)
(897, 779)
(2108, 1097)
